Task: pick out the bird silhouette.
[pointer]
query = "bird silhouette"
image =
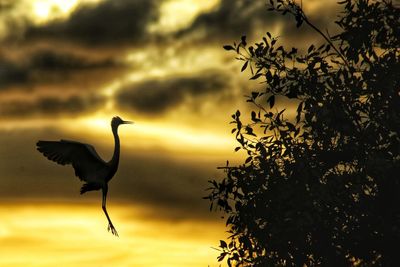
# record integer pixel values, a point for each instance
(89, 167)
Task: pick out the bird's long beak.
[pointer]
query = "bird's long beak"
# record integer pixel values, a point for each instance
(127, 122)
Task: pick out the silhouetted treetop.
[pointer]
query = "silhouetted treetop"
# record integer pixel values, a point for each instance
(321, 188)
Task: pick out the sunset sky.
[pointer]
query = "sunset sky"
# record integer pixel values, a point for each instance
(68, 67)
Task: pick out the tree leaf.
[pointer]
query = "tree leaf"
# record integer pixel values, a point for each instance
(248, 160)
(237, 114)
(255, 77)
(228, 47)
(244, 66)
(271, 101)
(223, 244)
(244, 43)
(310, 48)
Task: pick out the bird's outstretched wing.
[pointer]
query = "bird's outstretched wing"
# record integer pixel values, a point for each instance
(83, 157)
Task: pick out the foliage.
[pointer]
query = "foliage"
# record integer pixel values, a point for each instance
(321, 188)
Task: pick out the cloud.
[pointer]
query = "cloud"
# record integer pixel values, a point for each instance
(163, 182)
(108, 23)
(233, 19)
(154, 97)
(230, 20)
(11, 73)
(55, 61)
(50, 106)
(49, 66)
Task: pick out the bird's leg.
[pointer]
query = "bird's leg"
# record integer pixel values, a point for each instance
(110, 225)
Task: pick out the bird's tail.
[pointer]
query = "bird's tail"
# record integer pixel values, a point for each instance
(89, 187)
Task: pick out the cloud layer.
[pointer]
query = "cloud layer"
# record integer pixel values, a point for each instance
(230, 20)
(84, 52)
(157, 96)
(51, 106)
(41, 65)
(109, 23)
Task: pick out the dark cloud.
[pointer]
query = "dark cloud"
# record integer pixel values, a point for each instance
(56, 61)
(50, 106)
(302, 37)
(45, 66)
(157, 96)
(11, 73)
(107, 23)
(231, 20)
(6, 6)
(165, 182)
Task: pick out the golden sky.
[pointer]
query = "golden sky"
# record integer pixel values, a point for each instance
(68, 67)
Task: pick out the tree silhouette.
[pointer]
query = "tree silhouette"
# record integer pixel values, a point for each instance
(321, 188)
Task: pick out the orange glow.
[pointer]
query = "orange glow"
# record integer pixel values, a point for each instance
(75, 235)
(145, 134)
(172, 137)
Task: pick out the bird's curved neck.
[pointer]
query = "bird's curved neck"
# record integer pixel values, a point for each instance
(115, 158)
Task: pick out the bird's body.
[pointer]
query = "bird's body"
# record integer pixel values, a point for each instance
(89, 167)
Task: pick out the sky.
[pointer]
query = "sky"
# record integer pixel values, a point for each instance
(68, 67)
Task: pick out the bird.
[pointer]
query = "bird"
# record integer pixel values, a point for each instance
(88, 165)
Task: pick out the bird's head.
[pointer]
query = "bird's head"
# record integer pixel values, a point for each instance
(117, 121)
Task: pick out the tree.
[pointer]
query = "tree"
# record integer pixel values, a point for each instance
(321, 188)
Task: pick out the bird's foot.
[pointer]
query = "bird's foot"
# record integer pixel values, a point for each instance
(112, 229)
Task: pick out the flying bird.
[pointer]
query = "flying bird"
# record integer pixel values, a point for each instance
(89, 167)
